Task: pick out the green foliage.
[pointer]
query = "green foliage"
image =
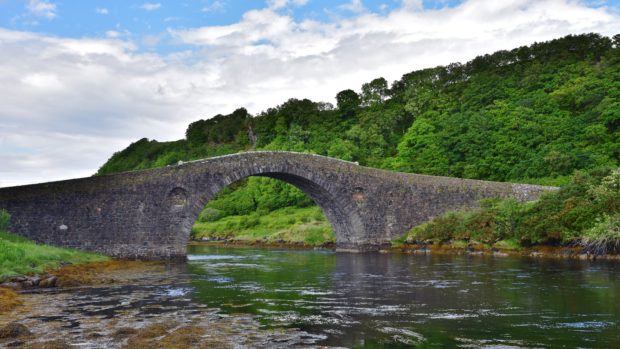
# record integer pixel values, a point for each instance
(587, 211)
(348, 102)
(257, 193)
(297, 225)
(5, 218)
(209, 215)
(604, 236)
(219, 129)
(511, 245)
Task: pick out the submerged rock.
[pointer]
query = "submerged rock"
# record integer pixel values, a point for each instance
(14, 330)
(55, 344)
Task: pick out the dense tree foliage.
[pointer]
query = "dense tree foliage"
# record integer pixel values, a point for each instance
(532, 114)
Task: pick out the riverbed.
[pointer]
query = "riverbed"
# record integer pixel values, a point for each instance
(247, 297)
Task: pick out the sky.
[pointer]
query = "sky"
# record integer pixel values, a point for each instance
(81, 79)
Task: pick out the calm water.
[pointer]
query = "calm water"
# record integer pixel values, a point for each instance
(392, 300)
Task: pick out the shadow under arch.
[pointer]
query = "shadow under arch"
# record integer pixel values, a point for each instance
(344, 219)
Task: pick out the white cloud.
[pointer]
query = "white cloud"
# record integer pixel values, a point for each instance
(112, 34)
(278, 4)
(412, 5)
(214, 6)
(102, 10)
(41, 8)
(354, 6)
(150, 6)
(67, 108)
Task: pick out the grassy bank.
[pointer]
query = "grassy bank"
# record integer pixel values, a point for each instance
(20, 256)
(295, 225)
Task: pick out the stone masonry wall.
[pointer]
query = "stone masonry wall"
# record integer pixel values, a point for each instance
(149, 214)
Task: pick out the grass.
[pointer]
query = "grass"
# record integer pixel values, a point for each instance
(459, 244)
(305, 225)
(509, 244)
(19, 256)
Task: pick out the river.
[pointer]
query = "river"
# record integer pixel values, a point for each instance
(246, 297)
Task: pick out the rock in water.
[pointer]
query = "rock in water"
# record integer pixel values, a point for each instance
(14, 330)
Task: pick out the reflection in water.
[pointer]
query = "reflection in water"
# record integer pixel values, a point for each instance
(387, 300)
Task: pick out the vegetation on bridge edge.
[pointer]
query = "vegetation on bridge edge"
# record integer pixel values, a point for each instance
(584, 213)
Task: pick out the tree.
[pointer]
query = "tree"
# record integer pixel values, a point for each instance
(348, 103)
(374, 92)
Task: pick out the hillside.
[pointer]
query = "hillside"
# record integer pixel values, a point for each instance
(534, 114)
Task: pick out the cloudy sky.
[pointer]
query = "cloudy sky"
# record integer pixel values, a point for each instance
(82, 79)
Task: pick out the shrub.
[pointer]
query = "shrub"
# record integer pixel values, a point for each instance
(246, 222)
(604, 236)
(440, 229)
(508, 217)
(209, 215)
(459, 243)
(479, 226)
(607, 193)
(511, 244)
(5, 217)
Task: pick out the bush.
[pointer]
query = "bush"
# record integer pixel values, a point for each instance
(209, 215)
(604, 236)
(508, 217)
(511, 244)
(246, 222)
(440, 229)
(5, 218)
(586, 210)
(479, 226)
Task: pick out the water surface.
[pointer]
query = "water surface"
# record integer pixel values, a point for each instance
(392, 300)
(262, 298)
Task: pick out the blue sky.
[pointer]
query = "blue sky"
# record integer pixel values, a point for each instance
(147, 22)
(94, 18)
(80, 80)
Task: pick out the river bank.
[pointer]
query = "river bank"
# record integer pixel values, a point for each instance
(68, 276)
(127, 304)
(539, 251)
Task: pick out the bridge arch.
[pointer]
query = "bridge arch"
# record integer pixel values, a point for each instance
(338, 208)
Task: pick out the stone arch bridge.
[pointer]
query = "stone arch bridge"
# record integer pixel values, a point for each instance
(149, 214)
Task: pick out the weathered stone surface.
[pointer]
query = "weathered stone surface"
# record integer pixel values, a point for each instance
(149, 214)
